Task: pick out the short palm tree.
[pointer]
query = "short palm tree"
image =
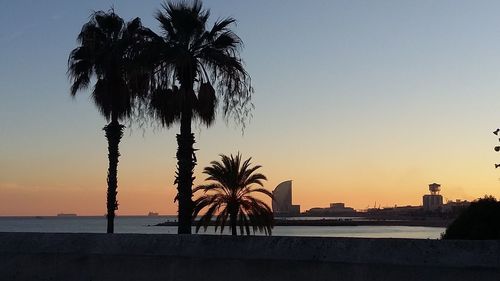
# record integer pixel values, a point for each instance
(229, 196)
(103, 53)
(189, 63)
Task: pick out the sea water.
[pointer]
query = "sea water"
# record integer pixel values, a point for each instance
(145, 225)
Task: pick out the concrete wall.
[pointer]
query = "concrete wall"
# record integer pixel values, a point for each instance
(45, 256)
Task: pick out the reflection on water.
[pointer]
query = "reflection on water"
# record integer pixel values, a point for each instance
(125, 224)
(417, 232)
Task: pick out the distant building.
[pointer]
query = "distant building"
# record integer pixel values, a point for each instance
(395, 211)
(282, 203)
(433, 201)
(455, 206)
(337, 205)
(334, 209)
(340, 208)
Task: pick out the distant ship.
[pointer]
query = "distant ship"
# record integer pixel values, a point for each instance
(152, 214)
(66, 215)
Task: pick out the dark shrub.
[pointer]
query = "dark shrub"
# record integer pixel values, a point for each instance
(480, 221)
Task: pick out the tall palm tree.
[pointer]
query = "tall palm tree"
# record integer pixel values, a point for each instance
(105, 44)
(191, 61)
(229, 195)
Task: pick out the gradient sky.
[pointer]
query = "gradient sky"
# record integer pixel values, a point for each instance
(356, 101)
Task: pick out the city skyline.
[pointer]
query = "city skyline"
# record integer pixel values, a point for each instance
(371, 102)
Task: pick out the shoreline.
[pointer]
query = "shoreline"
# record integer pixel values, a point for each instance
(347, 222)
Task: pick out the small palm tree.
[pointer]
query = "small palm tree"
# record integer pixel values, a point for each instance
(229, 195)
(104, 53)
(193, 68)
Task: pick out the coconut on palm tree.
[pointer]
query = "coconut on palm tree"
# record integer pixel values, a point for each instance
(193, 69)
(229, 196)
(105, 44)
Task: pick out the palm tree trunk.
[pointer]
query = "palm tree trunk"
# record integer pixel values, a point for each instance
(185, 165)
(233, 222)
(114, 132)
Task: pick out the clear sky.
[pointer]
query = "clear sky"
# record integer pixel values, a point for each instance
(356, 101)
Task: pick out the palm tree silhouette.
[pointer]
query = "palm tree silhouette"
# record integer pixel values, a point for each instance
(189, 62)
(105, 44)
(229, 195)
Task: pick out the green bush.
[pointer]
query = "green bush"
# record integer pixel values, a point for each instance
(479, 221)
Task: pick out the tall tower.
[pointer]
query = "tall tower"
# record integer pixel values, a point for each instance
(282, 203)
(433, 201)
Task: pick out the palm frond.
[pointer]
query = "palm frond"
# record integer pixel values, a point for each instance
(79, 69)
(221, 26)
(206, 104)
(255, 179)
(165, 106)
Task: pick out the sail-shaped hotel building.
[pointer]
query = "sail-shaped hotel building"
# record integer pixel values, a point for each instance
(282, 203)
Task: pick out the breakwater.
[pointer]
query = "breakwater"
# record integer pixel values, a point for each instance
(345, 222)
(49, 256)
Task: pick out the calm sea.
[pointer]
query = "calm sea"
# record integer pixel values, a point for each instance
(144, 224)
